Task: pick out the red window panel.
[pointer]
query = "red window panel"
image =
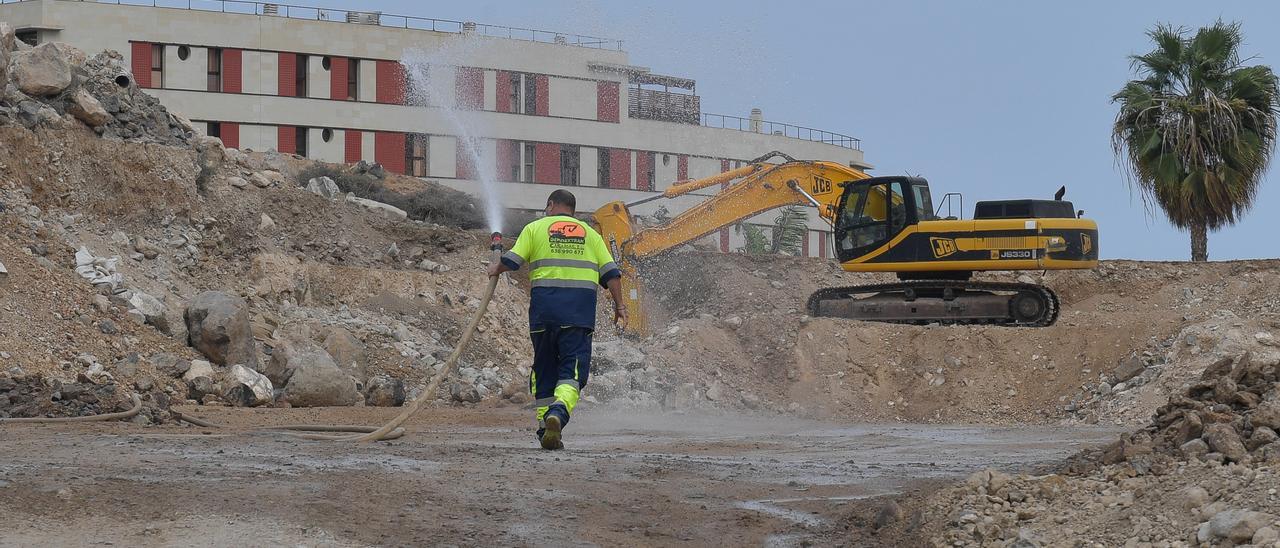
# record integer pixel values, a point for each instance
(338, 78)
(619, 168)
(682, 167)
(543, 86)
(287, 139)
(232, 71)
(140, 62)
(724, 166)
(469, 88)
(607, 109)
(644, 165)
(546, 163)
(230, 134)
(822, 244)
(389, 84)
(804, 243)
(724, 240)
(353, 144)
(388, 150)
(508, 157)
(503, 90)
(288, 75)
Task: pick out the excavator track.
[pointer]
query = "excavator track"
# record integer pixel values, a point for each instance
(940, 301)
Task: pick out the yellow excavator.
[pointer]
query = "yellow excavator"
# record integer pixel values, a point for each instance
(879, 224)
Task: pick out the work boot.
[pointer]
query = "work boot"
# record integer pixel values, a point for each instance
(551, 434)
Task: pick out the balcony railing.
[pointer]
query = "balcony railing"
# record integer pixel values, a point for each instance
(374, 18)
(778, 128)
(652, 104)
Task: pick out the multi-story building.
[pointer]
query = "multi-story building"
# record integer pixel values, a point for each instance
(446, 100)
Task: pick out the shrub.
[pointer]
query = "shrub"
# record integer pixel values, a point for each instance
(435, 204)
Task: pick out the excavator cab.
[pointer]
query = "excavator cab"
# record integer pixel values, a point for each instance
(873, 212)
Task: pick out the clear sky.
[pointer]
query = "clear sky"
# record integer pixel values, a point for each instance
(996, 99)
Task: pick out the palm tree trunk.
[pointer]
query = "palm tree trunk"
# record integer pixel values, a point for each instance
(1199, 243)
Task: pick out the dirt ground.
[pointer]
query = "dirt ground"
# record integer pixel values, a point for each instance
(474, 477)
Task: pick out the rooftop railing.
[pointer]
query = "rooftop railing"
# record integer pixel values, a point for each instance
(777, 128)
(359, 17)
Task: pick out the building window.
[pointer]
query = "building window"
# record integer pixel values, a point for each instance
(300, 138)
(530, 95)
(215, 69)
(326, 63)
(513, 97)
(28, 37)
(300, 75)
(353, 80)
(215, 129)
(183, 53)
(515, 161)
(528, 163)
(416, 154)
(326, 135)
(602, 169)
(157, 66)
(569, 164)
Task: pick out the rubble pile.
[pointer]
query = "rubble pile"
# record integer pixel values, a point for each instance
(193, 270)
(56, 86)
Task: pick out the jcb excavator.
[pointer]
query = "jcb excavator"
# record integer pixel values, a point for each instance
(880, 224)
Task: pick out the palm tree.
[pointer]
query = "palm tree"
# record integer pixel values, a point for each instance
(789, 230)
(1197, 130)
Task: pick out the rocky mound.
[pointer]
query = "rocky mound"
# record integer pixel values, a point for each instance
(139, 256)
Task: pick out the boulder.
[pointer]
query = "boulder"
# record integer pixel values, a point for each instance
(87, 109)
(259, 180)
(41, 72)
(386, 210)
(321, 385)
(347, 352)
(1238, 526)
(245, 387)
(265, 223)
(8, 38)
(74, 56)
(1129, 368)
(292, 355)
(324, 187)
(1267, 414)
(146, 248)
(384, 391)
(617, 353)
(199, 379)
(152, 309)
(1224, 439)
(464, 393)
(218, 326)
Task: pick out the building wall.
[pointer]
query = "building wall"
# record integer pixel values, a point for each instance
(569, 111)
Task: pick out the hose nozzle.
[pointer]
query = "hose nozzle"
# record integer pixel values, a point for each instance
(495, 241)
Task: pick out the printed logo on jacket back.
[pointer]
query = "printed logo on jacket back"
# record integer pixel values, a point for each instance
(567, 237)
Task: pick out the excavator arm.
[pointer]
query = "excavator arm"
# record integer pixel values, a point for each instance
(745, 192)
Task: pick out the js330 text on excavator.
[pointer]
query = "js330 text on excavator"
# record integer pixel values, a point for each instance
(879, 224)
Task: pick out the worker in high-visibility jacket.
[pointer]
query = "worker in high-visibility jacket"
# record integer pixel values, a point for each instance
(567, 260)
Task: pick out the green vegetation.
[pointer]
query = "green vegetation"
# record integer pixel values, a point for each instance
(435, 204)
(1197, 129)
(756, 242)
(789, 230)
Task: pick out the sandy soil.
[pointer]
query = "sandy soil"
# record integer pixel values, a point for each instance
(474, 477)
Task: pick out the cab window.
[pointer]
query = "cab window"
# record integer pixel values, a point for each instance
(872, 215)
(924, 203)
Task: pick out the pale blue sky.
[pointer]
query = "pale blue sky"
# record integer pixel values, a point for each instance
(998, 99)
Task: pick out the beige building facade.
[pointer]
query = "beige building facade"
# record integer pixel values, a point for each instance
(452, 101)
